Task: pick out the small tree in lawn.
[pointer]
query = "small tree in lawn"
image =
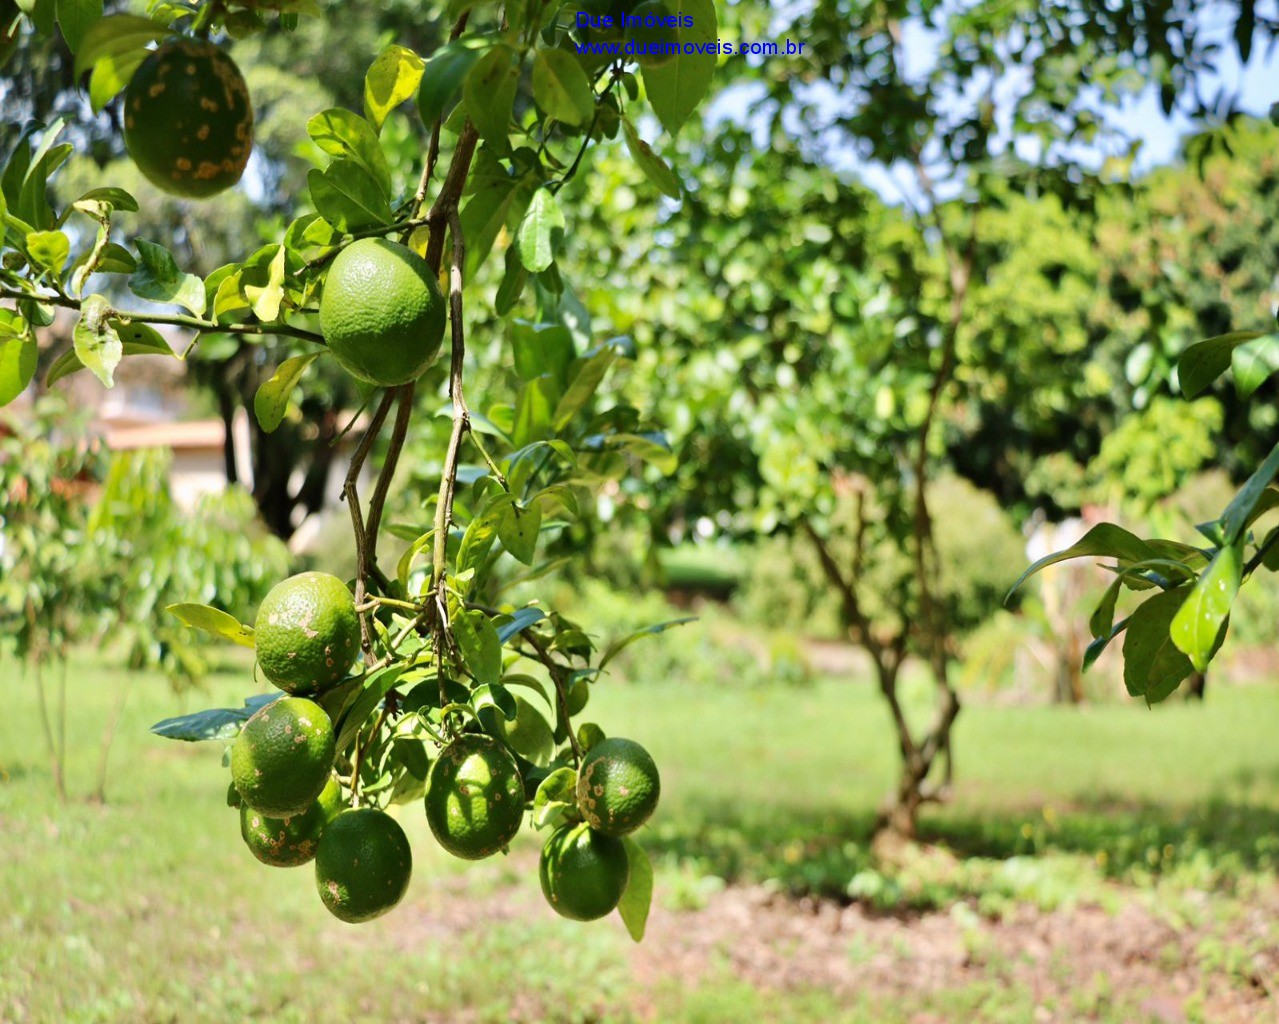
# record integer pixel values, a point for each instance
(402, 686)
(48, 589)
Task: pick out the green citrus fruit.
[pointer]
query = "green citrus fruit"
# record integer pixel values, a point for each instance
(288, 842)
(363, 866)
(281, 761)
(307, 633)
(474, 797)
(188, 122)
(617, 786)
(650, 38)
(583, 872)
(382, 312)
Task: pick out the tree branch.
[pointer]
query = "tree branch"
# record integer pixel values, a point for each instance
(350, 493)
(556, 672)
(174, 320)
(380, 491)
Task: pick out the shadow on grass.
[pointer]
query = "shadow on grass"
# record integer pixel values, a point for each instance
(1210, 846)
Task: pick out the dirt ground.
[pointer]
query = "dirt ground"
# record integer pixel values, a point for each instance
(777, 943)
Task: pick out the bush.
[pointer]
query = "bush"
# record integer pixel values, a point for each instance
(150, 554)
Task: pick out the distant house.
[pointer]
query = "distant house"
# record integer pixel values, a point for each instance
(149, 408)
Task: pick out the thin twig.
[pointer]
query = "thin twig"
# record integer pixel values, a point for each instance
(433, 150)
(380, 491)
(556, 672)
(173, 320)
(350, 492)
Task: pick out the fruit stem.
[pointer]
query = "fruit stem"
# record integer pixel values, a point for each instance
(556, 672)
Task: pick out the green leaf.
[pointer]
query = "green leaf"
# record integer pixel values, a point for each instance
(518, 622)
(348, 196)
(96, 343)
(443, 76)
(214, 724)
(519, 531)
(533, 405)
(159, 279)
(654, 167)
(272, 399)
(487, 212)
(111, 74)
(489, 95)
(341, 133)
(1203, 362)
(589, 735)
(1153, 666)
(75, 18)
(1254, 362)
(137, 339)
(477, 640)
(49, 250)
(1198, 623)
(540, 231)
(678, 86)
(1105, 540)
(653, 449)
(32, 205)
(491, 703)
(481, 532)
(542, 350)
(115, 36)
(561, 87)
(392, 78)
(512, 285)
(375, 687)
(555, 799)
(19, 357)
(1094, 650)
(618, 646)
(214, 621)
(529, 735)
(266, 299)
(583, 386)
(1102, 619)
(1251, 495)
(638, 897)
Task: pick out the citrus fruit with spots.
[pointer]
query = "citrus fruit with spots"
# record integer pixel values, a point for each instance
(583, 872)
(288, 842)
(307, 633)
(188, 122)
(474, 797)
(650, 37)
(382, 312)
(617, 786)
(363, 866)
(281, 761)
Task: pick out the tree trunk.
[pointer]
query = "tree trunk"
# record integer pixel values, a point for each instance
(921, 758)
(226, 410)
(56, 761)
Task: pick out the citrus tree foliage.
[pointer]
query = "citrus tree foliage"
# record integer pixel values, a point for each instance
(508, 110)
(1187, 591)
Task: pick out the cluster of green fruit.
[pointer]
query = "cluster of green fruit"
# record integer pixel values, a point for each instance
(291, 802)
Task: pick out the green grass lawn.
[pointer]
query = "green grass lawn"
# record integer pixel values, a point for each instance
(150, 909)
